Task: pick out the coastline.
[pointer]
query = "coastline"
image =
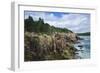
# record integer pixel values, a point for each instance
(56, 46)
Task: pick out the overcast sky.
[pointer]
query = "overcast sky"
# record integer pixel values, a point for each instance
(77, 22)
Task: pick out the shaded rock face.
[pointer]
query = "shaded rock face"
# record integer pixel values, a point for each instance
(56, 46)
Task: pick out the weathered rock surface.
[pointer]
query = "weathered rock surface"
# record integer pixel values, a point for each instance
(49, 47)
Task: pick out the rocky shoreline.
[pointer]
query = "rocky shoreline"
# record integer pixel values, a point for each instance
(55, 46)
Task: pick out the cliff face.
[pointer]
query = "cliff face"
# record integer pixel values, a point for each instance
(56, 46)
(45, 42)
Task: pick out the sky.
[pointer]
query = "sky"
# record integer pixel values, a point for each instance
(77, 22)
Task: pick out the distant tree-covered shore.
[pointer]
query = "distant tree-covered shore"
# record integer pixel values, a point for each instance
(84, 34)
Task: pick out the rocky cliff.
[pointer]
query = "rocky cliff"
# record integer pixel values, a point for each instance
(55, 46)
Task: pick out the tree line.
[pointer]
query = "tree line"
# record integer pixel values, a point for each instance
(40, 26)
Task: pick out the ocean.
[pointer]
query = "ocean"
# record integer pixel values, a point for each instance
(83, 48)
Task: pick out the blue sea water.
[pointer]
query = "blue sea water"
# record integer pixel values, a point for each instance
(83, 51)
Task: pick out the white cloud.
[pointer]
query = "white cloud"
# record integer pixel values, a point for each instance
(76, 22)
